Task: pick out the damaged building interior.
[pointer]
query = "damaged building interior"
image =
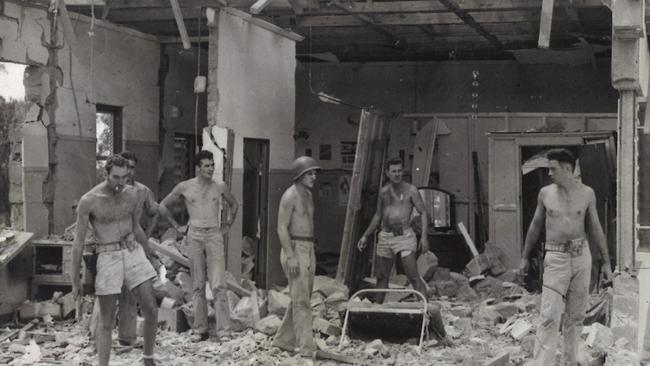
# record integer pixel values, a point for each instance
(470, 94)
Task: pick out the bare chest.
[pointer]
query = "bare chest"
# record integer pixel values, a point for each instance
(569, 207)
(200, 196)
(111, 209)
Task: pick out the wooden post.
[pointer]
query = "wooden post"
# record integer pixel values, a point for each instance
(180, 24)
(545, 21)
(213, 65)
(627, 180)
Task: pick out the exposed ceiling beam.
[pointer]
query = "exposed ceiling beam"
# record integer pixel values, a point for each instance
(148, 15)
(369, 20)
(469, 20)
(409, 6)
(509, 16)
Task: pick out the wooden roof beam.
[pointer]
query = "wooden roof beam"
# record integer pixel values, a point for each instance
(373, 7)
(367, 19)
(470, 21)
(350, 20)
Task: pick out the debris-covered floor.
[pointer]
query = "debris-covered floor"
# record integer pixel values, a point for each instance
(489, 319)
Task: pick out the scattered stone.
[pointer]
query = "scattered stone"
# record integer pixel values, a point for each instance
(528, 344)
(442, 274)
(521, 328)
(600, 337)
(269, 325)
(427, 265)
(447, 288)
(323, 326)
(502, 359)
(278, 302)
(466, 294)
(506, 309)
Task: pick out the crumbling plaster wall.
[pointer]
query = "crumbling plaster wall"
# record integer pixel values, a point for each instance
(440, 87)
(68, 81)
(256, 86)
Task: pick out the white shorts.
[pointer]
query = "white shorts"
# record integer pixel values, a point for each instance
(122, 267)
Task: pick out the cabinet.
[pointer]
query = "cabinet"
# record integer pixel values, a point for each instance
(52, 266)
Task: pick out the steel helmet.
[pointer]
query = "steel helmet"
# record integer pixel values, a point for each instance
(302, 165)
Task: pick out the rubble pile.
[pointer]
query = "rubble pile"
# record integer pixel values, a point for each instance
(488, 320)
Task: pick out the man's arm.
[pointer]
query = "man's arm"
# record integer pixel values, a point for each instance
(232, 203)
(534, 231)
(374, 222)
(83, 216)
(284, 219)
(172, 197)
(419, 205)
(151, 209)
(595, 234)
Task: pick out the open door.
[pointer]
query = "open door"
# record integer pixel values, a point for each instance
(255, 210)
(599, 172)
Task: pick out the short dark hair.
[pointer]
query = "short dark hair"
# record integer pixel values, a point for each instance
(201, 155)
(129, 155)
(114, 160)
(393, 161)
(562, 156)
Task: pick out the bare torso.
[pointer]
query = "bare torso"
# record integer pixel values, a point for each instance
(301, 222)
(397, 206)
(203, 202)
(111, 215)
(565, 212)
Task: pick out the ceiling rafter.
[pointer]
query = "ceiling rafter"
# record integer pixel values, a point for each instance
(470, 21)
(367, 19)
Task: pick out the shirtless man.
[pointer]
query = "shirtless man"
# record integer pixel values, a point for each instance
(567, 210)
(394, 208)
(203, 199)
(296, 233)
(113, 210)
(127, 308)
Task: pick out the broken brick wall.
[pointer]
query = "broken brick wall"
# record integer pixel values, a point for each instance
(66, 78)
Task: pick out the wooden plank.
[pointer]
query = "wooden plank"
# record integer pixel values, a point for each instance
(14, 246)
(424, 146)
(395, 40)
(372, 144)
(513, 16)
(259, 6)
(545, 20)
(150, 15)
(470, 21)
(180, 23)
(408, 6)
(468, 239)
(15, 332)
(478, 190)
(626, 233)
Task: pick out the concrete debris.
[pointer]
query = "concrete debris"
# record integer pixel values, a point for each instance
(521, 328)
(278, 302)
(600, 337)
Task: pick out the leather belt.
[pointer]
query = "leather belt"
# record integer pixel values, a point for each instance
(301, 238)
(110, 247)
(574, 246)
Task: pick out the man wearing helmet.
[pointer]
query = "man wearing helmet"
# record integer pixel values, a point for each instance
(203, 199)
(296, 232)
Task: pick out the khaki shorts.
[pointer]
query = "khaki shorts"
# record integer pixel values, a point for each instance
(388, 244)
(122, 267)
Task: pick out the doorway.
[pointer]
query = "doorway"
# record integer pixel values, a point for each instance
(255, 210)
(596, 167)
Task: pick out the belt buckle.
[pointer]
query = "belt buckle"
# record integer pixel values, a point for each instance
(575, 247)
